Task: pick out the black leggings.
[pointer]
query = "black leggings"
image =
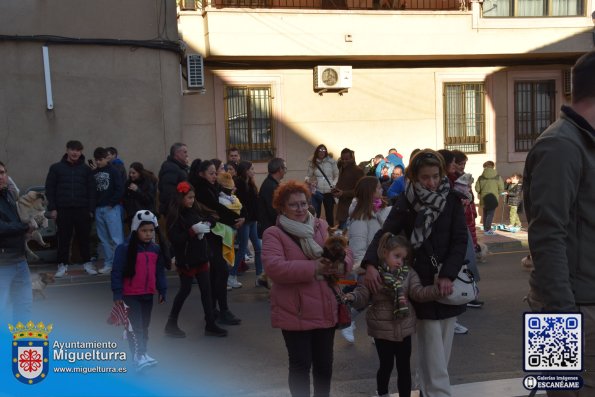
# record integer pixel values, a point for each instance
(204, 284)
(310, 350)
(390, 352)
(219, 272)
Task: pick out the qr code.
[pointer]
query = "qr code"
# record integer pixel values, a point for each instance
(553, 342)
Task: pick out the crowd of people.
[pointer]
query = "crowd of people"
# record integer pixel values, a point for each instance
(401, 221)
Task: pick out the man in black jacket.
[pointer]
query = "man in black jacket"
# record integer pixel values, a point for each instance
(16, 296)
(267, 215)
(173, 171)
(70, 189)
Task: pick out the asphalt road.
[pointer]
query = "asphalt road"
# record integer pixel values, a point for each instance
(252, 360)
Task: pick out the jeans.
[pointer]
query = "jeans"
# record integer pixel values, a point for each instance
(310, 349)
(16, 295)
(139, 315)
(488, 217)
(79, 220)
(204, 284)
(389, 354)
(109, 230)
(248, 230)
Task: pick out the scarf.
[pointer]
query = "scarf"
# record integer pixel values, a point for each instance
(305, 233)
(393, 283)
(428, 205)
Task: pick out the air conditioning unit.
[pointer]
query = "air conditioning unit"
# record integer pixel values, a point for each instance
(566, 82)
(196, 72)
(332, 77)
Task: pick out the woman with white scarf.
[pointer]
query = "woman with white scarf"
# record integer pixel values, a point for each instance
(303, 302)
(432, 217)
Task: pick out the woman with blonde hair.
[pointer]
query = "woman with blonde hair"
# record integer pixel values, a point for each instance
(432, 217)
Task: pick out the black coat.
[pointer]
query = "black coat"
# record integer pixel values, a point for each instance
(187, 248)
(171, 173)
(70, 185)
(12, 230)
(208, 195)
(141, 199)
(248, 196)
(267, 215)
(449, 243)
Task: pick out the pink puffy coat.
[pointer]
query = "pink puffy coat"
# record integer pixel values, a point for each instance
(299, 302)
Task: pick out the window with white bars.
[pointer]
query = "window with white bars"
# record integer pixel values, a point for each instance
(534, 111)
(249, 121)
(464, 117)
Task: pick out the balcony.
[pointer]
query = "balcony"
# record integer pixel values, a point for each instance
(429, 5)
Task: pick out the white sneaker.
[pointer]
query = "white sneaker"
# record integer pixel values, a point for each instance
(459, 329)
(151, 360)
(89, 268)
(232, 281)
(348, 333)
(141, 362)
(105, 270)
(62, 270)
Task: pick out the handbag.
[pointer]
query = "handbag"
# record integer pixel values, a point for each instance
(464, 287)
(343, 311)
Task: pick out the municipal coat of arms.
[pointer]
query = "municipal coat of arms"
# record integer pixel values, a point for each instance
(30, 351)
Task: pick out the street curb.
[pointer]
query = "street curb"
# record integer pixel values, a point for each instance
(508, 246)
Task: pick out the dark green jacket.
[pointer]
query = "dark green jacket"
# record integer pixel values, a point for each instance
(489, 185)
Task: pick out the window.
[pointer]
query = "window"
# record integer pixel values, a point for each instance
(464, 117)
(534, 111)
(532, 8)
(248, 121)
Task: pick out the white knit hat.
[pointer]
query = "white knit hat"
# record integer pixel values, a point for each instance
(143, 216)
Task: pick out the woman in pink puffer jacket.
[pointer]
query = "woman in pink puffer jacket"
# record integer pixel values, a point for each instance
(303, 304)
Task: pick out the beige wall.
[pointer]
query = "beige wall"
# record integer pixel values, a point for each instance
(118, 96)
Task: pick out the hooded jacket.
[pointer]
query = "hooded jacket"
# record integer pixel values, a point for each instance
(489, 185)
(70, 185)
(561, 226)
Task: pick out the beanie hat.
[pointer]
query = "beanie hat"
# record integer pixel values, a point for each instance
(225, 180)
(143, 216)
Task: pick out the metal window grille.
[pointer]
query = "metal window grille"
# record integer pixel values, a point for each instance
(249, 121)
(464, 117)
(534, 111)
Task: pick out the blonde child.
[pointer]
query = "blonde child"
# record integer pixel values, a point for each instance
(138, 272)
(227, 195)
(391, 318)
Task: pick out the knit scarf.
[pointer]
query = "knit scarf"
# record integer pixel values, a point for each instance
(305, 233)
(428, 205)
(393, 283)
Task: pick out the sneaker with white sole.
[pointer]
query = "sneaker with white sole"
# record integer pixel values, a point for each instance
(141, 362)
(459, 329)
(62, 270)
(89, 268)
(232, 281)
(348, 333)
(105, 270)
(151, 360)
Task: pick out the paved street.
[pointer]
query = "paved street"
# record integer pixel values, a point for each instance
(252, 361)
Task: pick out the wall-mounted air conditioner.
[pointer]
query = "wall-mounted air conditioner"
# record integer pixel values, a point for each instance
(195, 71)
(332, 77)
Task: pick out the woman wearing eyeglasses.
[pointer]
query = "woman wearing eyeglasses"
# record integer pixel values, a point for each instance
(303, 305)
(433, 219)
(324, 169)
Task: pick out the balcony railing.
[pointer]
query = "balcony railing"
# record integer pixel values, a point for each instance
(428, 5)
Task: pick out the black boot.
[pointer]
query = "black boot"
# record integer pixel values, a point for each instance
(213, 330)
(172, 329)
(227, 317)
